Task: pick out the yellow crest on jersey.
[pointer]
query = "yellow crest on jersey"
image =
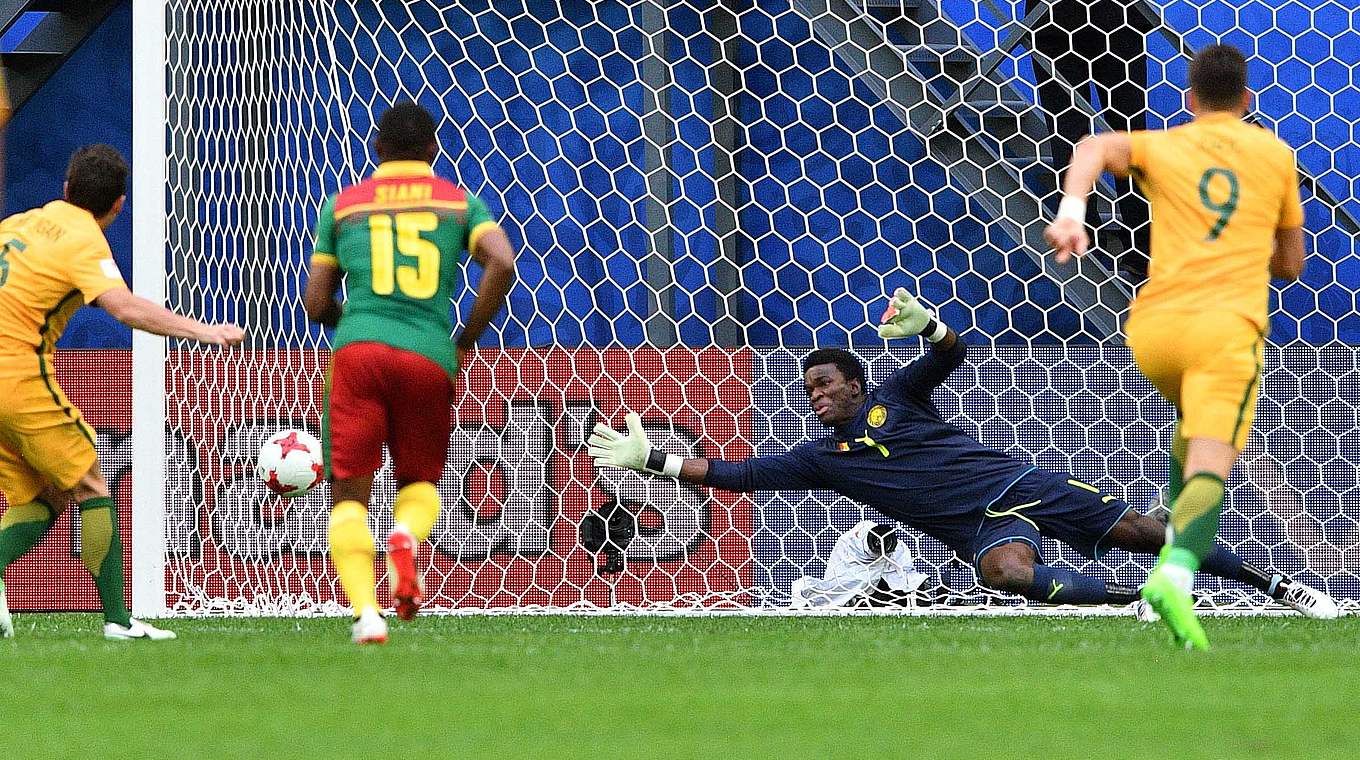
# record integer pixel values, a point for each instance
(878, 415)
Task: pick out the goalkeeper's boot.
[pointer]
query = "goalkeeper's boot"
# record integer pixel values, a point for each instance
(407, 594)
(370, 628)
(1307, 600)
(136, 629)
(1143, 612)
(6, 622)
(1177, 608)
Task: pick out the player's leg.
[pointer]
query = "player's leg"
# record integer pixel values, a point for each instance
(1163, 353)
(1218, 404)
(354, 424)
(50, 437)
(26, 521)
(1015, 567)
(419, 397)
(1006, 551)
(101, 552)
(24, 524)
(1140, 534)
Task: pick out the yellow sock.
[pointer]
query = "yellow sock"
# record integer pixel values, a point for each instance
(352, 552)
(416, 508)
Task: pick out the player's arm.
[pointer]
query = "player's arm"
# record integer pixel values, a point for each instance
(318, 299)
(1108, 152)
(907, 317)
(140, 314)
(1286, 262)
(92, 270)
(491, 248)
(633, 451)
(323, 277)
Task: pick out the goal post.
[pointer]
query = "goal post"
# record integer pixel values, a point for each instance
(148, 281)
(699, 194)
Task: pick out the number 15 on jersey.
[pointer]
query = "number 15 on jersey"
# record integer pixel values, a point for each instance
(393, 235)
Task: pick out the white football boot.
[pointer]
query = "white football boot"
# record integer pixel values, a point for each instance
(136, 630)
(6, 622)
(370, 628)
(1144, 612)
(1310, 602)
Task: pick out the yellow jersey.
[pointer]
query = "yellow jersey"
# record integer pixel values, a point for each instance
(1219, 189)
(53, 260)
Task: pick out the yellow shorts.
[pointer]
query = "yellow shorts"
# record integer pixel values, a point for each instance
(43, 438)
(1209, 367)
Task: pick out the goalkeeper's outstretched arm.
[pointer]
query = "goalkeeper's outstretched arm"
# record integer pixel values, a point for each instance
(791, 471)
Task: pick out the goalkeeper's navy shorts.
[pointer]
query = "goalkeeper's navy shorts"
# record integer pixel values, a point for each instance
(1049, 504)
(378, 394)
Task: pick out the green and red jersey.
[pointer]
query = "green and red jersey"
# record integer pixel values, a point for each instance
(399, 238)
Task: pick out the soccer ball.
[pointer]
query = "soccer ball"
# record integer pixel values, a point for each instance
(290, 463)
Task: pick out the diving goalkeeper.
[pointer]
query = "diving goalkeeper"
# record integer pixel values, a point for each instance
(890, 449)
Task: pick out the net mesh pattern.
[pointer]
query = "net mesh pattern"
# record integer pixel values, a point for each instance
(699, 193)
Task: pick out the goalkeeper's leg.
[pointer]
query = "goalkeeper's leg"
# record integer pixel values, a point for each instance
(1140, 534)
(1015, 567)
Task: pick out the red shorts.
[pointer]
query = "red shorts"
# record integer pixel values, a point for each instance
(379, 394)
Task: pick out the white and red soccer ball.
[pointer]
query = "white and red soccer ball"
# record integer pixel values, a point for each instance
(290, 463)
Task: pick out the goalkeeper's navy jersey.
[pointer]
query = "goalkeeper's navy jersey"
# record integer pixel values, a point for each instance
(898, 456)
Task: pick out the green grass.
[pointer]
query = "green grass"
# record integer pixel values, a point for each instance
(728, 688)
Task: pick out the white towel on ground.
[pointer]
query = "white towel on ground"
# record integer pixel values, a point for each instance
(852, 570)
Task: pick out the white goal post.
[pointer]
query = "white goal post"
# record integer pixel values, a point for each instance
(699, 193)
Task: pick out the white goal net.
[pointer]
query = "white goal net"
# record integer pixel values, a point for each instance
(701, 192)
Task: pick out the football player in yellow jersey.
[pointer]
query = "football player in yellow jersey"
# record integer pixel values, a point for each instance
(1226, 216)
(53, 260)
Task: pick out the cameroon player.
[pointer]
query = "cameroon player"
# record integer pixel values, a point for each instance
(53, 260)
(398, 237)
(1226, 216)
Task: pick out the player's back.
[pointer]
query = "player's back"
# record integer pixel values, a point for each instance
(1219, 189)
(53, 260)
(399, 237)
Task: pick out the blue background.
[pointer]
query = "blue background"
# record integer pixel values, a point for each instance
(840, 202)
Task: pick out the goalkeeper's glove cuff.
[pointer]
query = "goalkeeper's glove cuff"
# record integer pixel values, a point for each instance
(935, 330)
(661, 463)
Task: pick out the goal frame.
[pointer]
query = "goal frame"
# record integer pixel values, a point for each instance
(149, 129)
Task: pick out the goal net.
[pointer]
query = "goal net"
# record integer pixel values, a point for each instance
(700, 193)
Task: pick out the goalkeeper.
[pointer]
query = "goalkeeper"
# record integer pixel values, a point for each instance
(890, 449)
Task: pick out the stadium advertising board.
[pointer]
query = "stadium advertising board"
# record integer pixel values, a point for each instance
(516, 483)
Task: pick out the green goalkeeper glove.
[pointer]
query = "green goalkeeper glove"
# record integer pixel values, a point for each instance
(610, 448)
(906, 316)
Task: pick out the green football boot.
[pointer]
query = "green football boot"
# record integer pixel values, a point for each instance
(1177, 609)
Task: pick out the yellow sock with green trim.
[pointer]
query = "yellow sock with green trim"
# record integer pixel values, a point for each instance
(101, 552)
(21, 528)
(1179, 447)
(1194, 516)
(352, 552)
(416, 508)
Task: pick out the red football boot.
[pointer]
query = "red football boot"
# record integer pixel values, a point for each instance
(407, 593)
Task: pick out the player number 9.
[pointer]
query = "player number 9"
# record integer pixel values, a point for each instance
(1226, 208)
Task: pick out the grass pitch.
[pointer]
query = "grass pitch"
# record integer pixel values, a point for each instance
(729, 688)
